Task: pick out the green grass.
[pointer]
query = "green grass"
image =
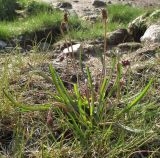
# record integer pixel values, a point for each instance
(41, 21)
(7, 9)
(124, 13)
(119, 17)
(34, 23)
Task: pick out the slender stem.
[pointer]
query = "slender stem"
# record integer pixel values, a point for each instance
(105, 46)
(73, 57)
(62, 32)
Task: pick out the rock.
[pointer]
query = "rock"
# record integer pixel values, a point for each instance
(2, 44)
(64, 5)
(118, 36)
(138, 26)
(129, 46)
(152, 34)
(76, 49)
(99, 3)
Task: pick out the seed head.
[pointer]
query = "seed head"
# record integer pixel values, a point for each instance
(65, 17)
(104, 14)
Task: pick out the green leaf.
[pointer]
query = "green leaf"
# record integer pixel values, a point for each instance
(134, 130)
(136, 100)
(40, 107)
(92, 91)
(58, 87)
(80, 103)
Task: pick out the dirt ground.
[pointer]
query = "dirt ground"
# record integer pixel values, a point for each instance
(82, 6)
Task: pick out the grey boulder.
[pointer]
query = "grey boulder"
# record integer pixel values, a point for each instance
(152, 34)
(118, 36)
(2, 44)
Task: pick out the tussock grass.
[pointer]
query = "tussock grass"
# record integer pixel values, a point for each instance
(40, 117)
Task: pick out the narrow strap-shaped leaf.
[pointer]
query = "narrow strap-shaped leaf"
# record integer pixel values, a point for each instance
(136, 100)
(27, 107)
(64, 90)
(82, 113)
(39, 107)
(134, 130)
(78, 129)
(92, 92)
(102, 93)
(58, 88)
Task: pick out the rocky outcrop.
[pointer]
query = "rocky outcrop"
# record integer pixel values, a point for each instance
(152, 34)
(138, 26)
(118, 36)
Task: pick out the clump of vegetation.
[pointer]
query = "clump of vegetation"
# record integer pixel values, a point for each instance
(124, 13)
(104, 123)
(8, 9)
(34, 7)
(116, 118)
(37, 16)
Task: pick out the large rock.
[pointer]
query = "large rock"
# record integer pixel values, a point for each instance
(152, 34)
(2, 44)
(99, 3)
(118, 36)
(138, 26)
